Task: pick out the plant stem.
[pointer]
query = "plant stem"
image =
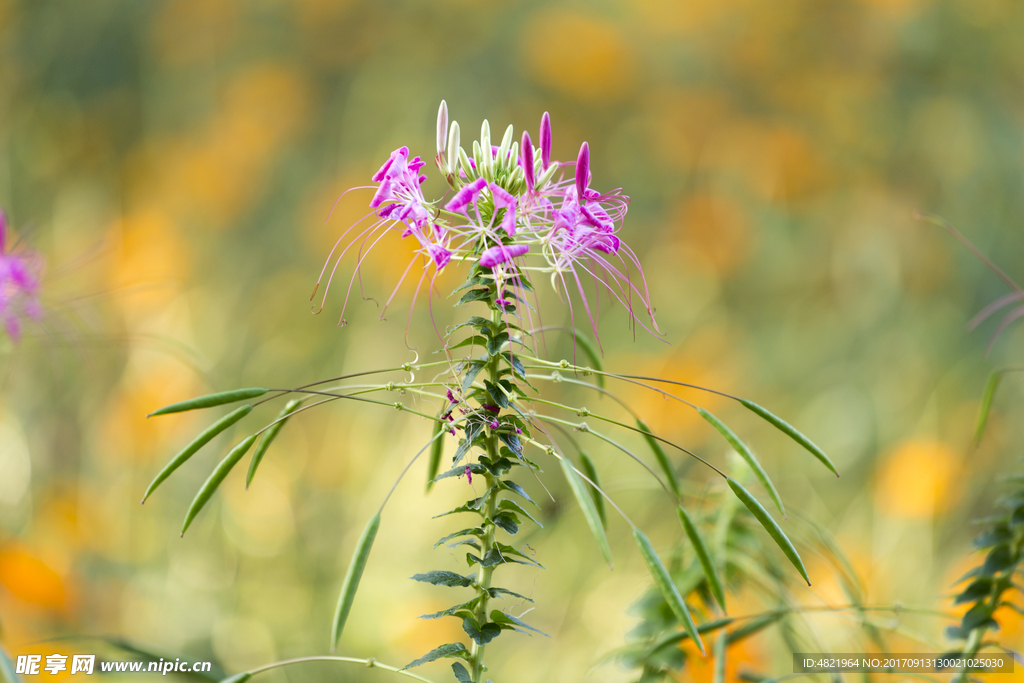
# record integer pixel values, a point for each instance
(487, 543)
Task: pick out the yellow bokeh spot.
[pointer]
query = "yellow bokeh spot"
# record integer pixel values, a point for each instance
(30, 579)
(914, 480)
(717, 228)
(578, 54)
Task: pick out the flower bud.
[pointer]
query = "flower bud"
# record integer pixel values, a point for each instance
(526, 150)
(442, 127)
(453, 149)
(545, 141)
(503, 150)
(582, 172)
(486, 159)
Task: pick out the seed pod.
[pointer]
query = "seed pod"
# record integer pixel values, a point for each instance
(710, 572)
(268, 438)
(770, 525)
(210, 400)
(355, 573)
(668, 588)
(197, 443)
(215, 478)
(747, 455)
(791, 431)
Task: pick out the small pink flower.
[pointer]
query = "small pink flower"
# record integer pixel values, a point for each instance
(469, 474)
(501, 253)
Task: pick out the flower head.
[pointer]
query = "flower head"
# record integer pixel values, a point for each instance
(510, 201)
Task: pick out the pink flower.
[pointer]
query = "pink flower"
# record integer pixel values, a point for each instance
(501, 253)
(19, 281)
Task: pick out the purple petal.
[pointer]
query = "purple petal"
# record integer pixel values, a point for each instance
(400, 153)
(466, 195)
(583, 172)
(545, 141)
(440, 255)
(382, 194)
(526, 159)
(501, 197)
(501, 253)
(3, 230)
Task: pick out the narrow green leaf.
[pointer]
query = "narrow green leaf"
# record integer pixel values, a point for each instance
(446, 650)
(461, 675)
(659, 454)
(667, 587)
(791, 431)
(197, 443)
(752, 627)
(718, 676)
(215, 478)
(475, 340)
(210, 400)
(268, 438)
(499, 617)
(507, 504)
(770, 525)
(355, 573)
(586, 504)
(444, 578)
(7, 671)
(714, 582)
(986, 404)
(595, 495)
(583, 342)
(436, 450)
(747, 455)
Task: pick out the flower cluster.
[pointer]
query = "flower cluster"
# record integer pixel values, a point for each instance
(19, 281)
(514, 212)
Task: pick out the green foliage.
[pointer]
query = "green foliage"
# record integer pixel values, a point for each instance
(215, 478)
(770, 525)
(268, 438)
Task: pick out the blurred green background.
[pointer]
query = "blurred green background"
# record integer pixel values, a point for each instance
(175, 163)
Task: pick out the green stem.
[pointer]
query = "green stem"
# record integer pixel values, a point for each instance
(371, 663)
(487, 543)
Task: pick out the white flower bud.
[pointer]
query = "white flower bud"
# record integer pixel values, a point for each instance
(442, 126)
(453, 149)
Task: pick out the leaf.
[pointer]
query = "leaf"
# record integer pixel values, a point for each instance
(747, 455)
(999, 559)
(197, 443)
(659, 454)
(494, 592)
(667, 587)
(499, 617)
(472, 370)
(507, 504)
(496, 394)
(986, 404)
(461, 675)
(215, 478)
(436, 450)
(586, 503)
(474, 295)
(481, 635)
(475, 340)
(595, 495)
(516, 488)
(976, 590)
(7, 671)
(752, 627)
(473, 430)
(460, 471)
(507, 522)
(718, 676)
(791, 431)
(210, 400)
(464, 607)
(268, 438)
(447, 650)
(770, 525)
(444, 578)
(475, 531)
(714, 582)
(352, 577)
